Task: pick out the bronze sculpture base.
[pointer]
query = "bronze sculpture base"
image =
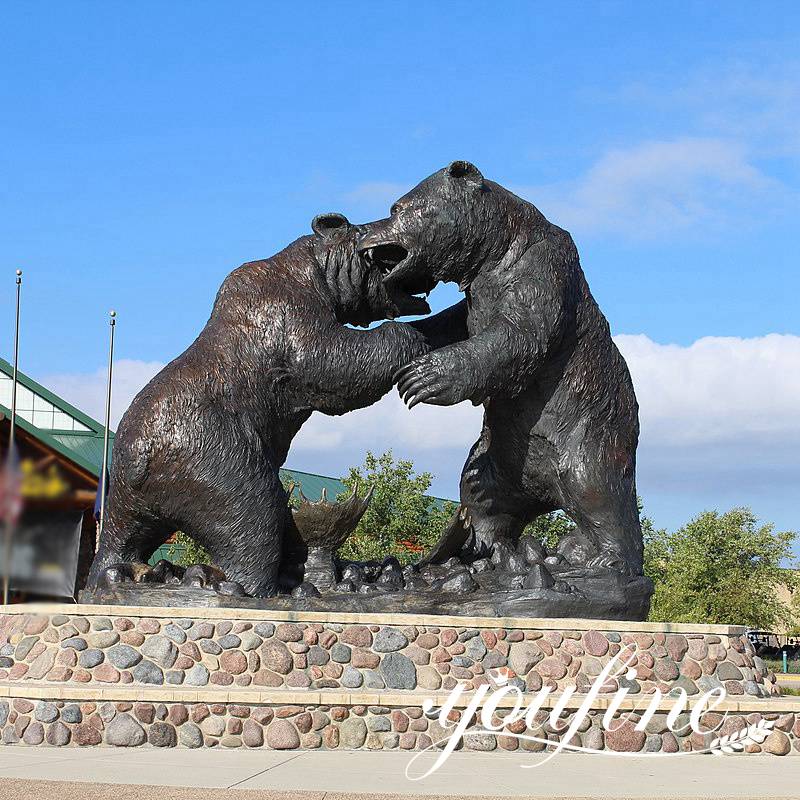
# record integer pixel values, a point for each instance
(596, 594)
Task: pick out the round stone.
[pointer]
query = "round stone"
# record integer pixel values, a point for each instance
(178, 714)
(233, 661)
(25, 646)
(201, 630)
(523, 656)
(276, 657)
(352, 733)
(593, 739)
(125, 731)
(625, 738)
(666, 669)
(72, 714)
(46, 712)
(103, 639)
(289, 632)
(428, 678)
(176, 633)
(398, 671)
(356, 635)
(595, 643)
(552, 667)
(123, 656)
(298, 680)
(148, 672)
(252, 734)
(351, 678)
(265, 629)
(249, 641)
(198, 675)
(317, 656)
(777, 743)
(58, 735)
(105, 673)
(677, 645)
(282, 735)
(161, 650)
(341, 653)
(229, 641)
(388, 640)
(476, 649)
(652, 743)
(34, 734)
(379, 724)
(190, 736)
(726, 671)
(213, 726)
(162, 734)
(372, 680)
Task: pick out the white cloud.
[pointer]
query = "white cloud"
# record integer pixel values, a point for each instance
(657, 188)
(717, 390)
(721, 411)
(87, 391)
(756, 103)
(389, 424)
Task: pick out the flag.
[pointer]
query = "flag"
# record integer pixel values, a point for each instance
(99, 498)
(11, 500)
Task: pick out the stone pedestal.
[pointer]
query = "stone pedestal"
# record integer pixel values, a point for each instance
(130, 676)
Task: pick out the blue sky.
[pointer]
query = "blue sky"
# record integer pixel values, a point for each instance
(149, 148)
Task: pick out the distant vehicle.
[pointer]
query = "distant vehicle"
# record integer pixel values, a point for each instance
(769, 644)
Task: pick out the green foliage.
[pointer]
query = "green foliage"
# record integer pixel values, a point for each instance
(186, 552)
(400, 521)
(549, 528)
(719, 568)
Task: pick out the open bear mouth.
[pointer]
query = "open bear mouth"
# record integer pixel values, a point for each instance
(386, 256)
(397, 270)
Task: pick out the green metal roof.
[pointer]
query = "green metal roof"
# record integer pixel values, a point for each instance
(312, 485)
(84, 448)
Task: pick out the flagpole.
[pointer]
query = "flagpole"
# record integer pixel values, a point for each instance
(103, 475)
(10, 454)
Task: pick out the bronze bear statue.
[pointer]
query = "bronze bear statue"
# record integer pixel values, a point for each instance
(200, 447)
(529, 342)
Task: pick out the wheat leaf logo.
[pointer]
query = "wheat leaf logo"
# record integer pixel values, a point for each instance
(735, 742)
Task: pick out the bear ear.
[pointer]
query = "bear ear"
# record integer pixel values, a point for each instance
(327, 224)
(465, 171)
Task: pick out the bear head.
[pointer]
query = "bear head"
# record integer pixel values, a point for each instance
(353, 280)
(444, 229)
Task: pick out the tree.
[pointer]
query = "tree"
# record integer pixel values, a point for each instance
(186, 551)
(549, 528)
(720, 568)
(401, 520)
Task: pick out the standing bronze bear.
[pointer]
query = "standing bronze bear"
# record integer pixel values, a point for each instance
(529, 342)
(200, 446)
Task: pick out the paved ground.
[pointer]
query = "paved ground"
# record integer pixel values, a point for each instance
(117, 774)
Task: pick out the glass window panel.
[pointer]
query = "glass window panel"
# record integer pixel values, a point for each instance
(24, 398)
(27, 415)
(62, 421)
(43, 419)
(5, 393)
(40, 404)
